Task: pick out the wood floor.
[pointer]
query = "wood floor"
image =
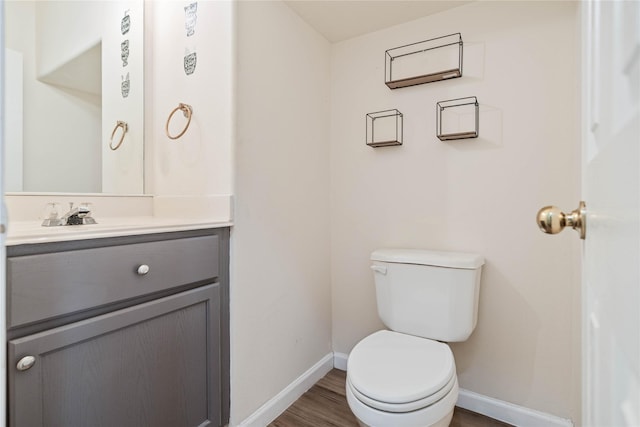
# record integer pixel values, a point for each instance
(325, 405)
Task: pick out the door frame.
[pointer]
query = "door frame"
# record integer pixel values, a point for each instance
(3, 228)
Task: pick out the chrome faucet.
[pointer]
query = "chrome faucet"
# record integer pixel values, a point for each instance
(76, 216)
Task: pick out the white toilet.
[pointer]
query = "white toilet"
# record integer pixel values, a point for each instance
(406, 377)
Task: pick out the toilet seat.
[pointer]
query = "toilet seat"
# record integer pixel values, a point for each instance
(395, 372)
(402, 407)
(437, 415)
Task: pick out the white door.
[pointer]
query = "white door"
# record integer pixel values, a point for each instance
(3, 226)
(611, 190)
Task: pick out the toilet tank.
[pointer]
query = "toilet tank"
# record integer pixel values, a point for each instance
(431, 294)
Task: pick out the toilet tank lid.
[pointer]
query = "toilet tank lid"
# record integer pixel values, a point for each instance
(428, 257)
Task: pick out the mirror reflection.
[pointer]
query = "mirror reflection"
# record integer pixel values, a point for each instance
(74, 96)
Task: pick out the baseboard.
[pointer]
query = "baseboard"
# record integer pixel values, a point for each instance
(490, 407)
(340, 361)
(508, 412)
(278, 404)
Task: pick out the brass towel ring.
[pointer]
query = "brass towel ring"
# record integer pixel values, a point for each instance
(125, 129)
(187, 111)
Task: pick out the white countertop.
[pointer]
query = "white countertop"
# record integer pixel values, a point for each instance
(31, 232)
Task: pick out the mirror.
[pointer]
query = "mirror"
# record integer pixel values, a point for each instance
(74, 99)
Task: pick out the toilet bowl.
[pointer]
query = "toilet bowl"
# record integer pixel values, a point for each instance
(399, 380)
(406, 376)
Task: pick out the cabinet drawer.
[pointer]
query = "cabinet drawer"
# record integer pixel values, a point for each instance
(44, 286)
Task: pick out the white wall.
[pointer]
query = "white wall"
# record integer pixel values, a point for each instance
(13, 112)
(66, 29)
(479, 195)
(280, 272)
(198, 164)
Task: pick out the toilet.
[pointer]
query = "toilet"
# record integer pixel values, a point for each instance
(406, 376)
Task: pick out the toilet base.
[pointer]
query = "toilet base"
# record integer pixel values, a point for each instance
(444, 422)
(438, 414)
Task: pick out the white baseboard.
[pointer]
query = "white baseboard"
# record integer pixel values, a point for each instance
(490, 407)
(508, 412)
(278, 404)
(340, 361)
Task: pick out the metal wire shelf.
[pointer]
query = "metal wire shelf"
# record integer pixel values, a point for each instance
(422, 62)
(457, 118)
(384, 128)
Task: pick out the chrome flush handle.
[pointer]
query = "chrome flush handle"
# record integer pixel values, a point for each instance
(379, 269)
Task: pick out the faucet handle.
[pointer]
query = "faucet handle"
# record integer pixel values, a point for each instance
(51, 210)
(85, 209)
(84, 212)
(50, 215)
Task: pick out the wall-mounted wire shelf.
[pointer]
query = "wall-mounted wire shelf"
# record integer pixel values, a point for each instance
(457, 118)
(384, 128)
(424, 62)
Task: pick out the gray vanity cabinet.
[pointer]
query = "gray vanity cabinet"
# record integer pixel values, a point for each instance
(145, 365)
(157, 358)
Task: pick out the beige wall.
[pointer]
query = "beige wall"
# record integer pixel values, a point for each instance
(280, 272)
(479, 195)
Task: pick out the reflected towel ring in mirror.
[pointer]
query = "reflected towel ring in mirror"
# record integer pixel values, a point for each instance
(187, 111)
(125, 128)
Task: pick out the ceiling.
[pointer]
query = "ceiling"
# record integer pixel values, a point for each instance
(339, 20)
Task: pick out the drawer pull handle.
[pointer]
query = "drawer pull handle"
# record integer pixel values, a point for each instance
(26, 363)
(143, 269)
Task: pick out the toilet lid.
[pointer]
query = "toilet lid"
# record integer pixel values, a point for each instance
(395, 368)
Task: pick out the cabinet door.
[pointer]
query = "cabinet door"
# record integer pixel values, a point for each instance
(154, 364)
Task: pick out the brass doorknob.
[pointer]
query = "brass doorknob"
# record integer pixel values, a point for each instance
(552, 220)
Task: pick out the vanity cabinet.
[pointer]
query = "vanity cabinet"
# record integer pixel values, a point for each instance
(127, 331)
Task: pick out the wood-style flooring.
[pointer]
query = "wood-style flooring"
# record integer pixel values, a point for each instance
(325, 405)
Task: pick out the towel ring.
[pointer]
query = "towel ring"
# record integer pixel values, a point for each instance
(187, 111)
(125, 129)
